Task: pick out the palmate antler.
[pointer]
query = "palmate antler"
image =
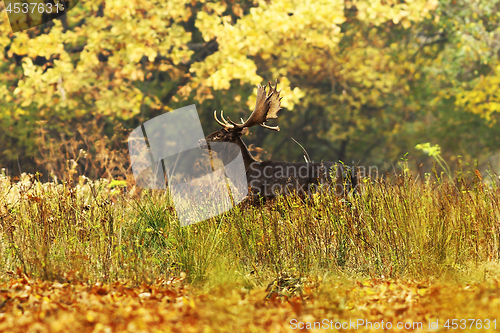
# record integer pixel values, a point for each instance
(266, 107)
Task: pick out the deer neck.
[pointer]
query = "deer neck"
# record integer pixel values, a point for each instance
(229, 153)
(247, 157)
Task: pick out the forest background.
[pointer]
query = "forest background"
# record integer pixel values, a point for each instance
(364, 81)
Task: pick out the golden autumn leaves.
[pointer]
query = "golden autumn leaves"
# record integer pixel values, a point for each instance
(169, 305)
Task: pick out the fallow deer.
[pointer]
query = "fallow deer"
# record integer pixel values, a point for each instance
(271, 178)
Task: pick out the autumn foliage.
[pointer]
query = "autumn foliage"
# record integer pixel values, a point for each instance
(364, 81)
(98, 256)
(30, 305)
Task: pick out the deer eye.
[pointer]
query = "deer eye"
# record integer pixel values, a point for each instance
(218, 136)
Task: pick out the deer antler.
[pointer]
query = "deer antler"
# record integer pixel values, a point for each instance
(224, 122)
(266, 107)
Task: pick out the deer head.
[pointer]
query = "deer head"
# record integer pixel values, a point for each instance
(266, 107)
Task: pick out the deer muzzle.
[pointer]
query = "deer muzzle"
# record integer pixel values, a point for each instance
(203, 144)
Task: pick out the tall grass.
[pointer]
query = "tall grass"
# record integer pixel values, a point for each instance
(396, 227)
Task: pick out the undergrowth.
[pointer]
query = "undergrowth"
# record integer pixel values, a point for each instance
(396, 227)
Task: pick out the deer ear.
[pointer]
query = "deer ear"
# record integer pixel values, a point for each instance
(244, 131)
